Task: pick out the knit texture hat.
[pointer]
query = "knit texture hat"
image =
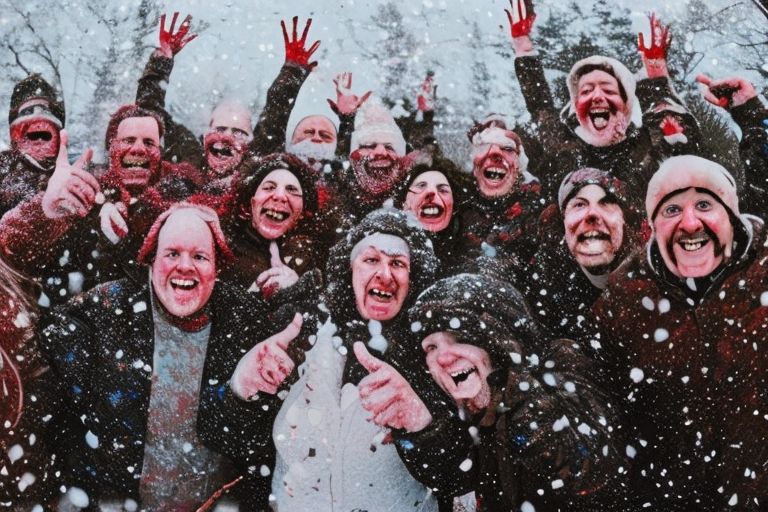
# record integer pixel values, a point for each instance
(679, 173)
(374, 124)
(497, 129)
(480, 310)
(31, 88)
(613, 67)
(580, 178)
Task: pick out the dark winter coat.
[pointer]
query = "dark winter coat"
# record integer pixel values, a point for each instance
(548, 425)
(633, 160)
(691, 368)
(101, 347)
(752, 118)
(20, 179)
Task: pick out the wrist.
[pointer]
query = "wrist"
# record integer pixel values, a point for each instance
(656, 68)
(523, 46)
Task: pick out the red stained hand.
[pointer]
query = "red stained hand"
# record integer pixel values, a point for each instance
(671, 126)
(266, 365)
(71, 189)
(278, 276)
(661, 39)
(295, 50)
(346, 102)
(427, 95)
(521, 17)
(388, 396)
(727, 92)
(172, 43)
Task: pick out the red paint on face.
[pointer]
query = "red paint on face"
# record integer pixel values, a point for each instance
(600, 109)
(227, 138)
(135, 152)
(380, 282)
(496, 169)
(318, 129)
(37, 138)
(277, 204)
(460, 369)
(430, 198)
(376, 167)
(184, 268)
(594, 228)
(693, 232)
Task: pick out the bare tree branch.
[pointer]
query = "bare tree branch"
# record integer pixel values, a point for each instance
(18, 60)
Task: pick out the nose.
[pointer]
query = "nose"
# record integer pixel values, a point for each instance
(138, 146)
(431, 193)
(316, 138)
(444, 358)
(379, 150)
(185, 262)
(690, 223)
(280, 194)
(384, 272)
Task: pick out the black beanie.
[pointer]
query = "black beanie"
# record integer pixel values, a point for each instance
(35, 87)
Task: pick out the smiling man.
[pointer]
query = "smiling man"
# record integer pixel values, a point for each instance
(132, 358)
(681, 326)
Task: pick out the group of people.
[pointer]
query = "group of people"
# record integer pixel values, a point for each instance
(341, 318)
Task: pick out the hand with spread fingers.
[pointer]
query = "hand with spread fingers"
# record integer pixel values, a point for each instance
(389, 398)
(264, 368)
(727, 92)
(655, 56)
(346, 101)
(112, 221)
(71, 189)
(172, 42)
(521, 18)
(295, 48)
(278, 276)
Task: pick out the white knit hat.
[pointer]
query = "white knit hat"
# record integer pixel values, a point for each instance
(679, 173)
(374, 124)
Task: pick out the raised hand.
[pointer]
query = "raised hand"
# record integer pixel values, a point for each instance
(727, 92)
(112, 221)
(521, 18)
(388, 396)
(172, 42)
(655, 56)
(71, 189)
(346, 102)
(295, 51)
(266, 365)
(427, 94)
(278, 276)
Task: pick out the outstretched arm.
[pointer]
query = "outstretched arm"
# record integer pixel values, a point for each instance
(269, 133)
(345, 107)
(655, 56)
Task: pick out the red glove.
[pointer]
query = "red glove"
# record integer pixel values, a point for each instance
(294, 48)
(671, 126)
(521, 17)
(427, 94)
(660, 40)
(170, 43)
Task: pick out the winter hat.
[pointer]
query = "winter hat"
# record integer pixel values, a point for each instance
(206, 214)
(339, 294)
(480, 310)
(626, 79)
(252, 172)
(494, 129)
(374, 124)
(580, 178)
(34, 87)
(128, 111)
(679, 173)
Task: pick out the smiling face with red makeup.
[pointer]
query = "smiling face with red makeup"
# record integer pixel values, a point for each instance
(277, 204)
(35, 132)
(135, 152)
(601, 109)
(380, 280)
(430, 198)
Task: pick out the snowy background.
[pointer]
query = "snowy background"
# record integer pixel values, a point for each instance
(95, 51)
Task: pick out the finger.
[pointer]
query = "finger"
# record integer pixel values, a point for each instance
(365, 97)
(390, 417)
(285, 33)
(185, 24)
(84, 160)
(333, 106)
(274, 255)
(287, 335)
(118, 225)
(82, 190)
(313, 48)
(63, 157)
(295, 26)
(162, 22)
(88, 179)
(173, 21)
(369, 362)
(379, 399)
(703, 79)
(306, 31)
(187, 39)
(72, 204)
(509, 16)
(375, 380)
(264, 276)
(523, 11)
(640, 41)
(348, 78)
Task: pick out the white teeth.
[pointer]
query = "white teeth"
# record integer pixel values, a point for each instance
(693, 245)
(184, 283)
(431, 210)
(495, 173)
(275, 215)
(592, 234)
(381, 293)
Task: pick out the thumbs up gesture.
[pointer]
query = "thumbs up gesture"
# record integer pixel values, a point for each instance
(266, 365)
(278, 276)
(388, 396)
(71, 189)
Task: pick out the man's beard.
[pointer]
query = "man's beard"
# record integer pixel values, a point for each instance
(312, 151)
(376, 182)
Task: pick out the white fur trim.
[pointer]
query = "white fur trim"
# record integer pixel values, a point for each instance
(374, 124)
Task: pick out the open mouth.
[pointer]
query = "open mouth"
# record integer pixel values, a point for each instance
(184, 284)
(593, 235)
(432, 211)
(275, 215)
(133, 163)
(495, 173)
(600, 117)
(39, 135)
(381, 295)
(462, 375)
(221, 150)
(693, 244)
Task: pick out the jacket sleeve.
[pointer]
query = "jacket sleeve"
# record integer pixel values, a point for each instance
(539, 101)
(344, 137)
(180, 144)
(752, 118)
(269, 134)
